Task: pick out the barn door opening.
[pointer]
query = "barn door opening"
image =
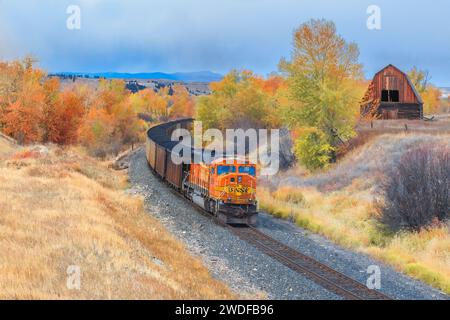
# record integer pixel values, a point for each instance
(394, 95)
(390, 96)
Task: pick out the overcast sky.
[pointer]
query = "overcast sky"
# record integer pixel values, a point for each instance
(218, 35)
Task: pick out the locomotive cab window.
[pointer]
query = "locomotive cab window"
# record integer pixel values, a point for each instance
(248, 170)
(225, 169)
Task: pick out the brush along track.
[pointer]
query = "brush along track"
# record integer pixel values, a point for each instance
(323, 275)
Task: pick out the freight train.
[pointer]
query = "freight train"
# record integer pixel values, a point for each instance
(225, 187)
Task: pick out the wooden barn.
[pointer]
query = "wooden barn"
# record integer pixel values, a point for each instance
(391, 95)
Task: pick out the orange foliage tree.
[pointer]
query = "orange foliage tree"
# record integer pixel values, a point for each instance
(23, 103)
(64, 118)
(182, 104)
(112, 121)
(34, 108)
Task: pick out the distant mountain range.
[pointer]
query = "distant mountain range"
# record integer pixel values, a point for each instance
(200, 76)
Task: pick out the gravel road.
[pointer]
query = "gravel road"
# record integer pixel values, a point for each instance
(248, 272)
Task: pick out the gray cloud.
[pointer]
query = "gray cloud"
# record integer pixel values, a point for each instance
(180, 35)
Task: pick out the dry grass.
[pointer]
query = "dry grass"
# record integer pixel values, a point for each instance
(440, 125)
(289, 195)
(64, 209)
(339, 204)
(6, 146)
(346, 216)
(367, 162)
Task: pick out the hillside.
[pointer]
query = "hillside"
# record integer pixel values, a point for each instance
(366, 163)
(199, 76)
(7, 145)
(62, 211)
(195, 88)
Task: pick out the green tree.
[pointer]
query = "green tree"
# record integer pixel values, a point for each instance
(312, 149)
(324, 80)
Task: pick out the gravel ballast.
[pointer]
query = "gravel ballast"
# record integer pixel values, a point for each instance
(247, 271)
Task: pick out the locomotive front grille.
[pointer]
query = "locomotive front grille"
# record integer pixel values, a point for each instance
(237, 210)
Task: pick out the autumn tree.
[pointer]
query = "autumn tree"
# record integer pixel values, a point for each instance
(110, 93)
(23, 101)
(128, 128)
(112, 120)
(11, 82)
(96, 132)
(49, 123)
(430, 94)
(151, 105)
(241, 100)
(431, 99)
(64, 119)
(419, 78)
(323, 75)
(34, 108)
(182, 103)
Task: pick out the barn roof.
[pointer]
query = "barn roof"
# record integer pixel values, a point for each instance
(416, 93)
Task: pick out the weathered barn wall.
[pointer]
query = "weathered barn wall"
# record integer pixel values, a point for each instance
(399, 100)
(391, 78)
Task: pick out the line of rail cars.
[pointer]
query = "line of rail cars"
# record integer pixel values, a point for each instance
(225, 187)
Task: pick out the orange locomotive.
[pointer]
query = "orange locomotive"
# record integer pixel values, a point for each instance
(226, 188)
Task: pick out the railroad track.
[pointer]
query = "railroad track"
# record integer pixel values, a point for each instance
(320, 273)
(325, 276)
(160, 142)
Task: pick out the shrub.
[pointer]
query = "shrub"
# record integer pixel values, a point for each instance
(417, 192)
(27, 154)
(289, 194)
(313, 150)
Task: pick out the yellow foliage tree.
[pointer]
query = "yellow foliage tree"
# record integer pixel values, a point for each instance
(431, 99)
(182, 103)
(430, 94)
(242, 100)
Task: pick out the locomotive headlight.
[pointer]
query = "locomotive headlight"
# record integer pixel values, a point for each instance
(239, 179)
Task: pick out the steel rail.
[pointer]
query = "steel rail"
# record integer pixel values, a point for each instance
(327, 277)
